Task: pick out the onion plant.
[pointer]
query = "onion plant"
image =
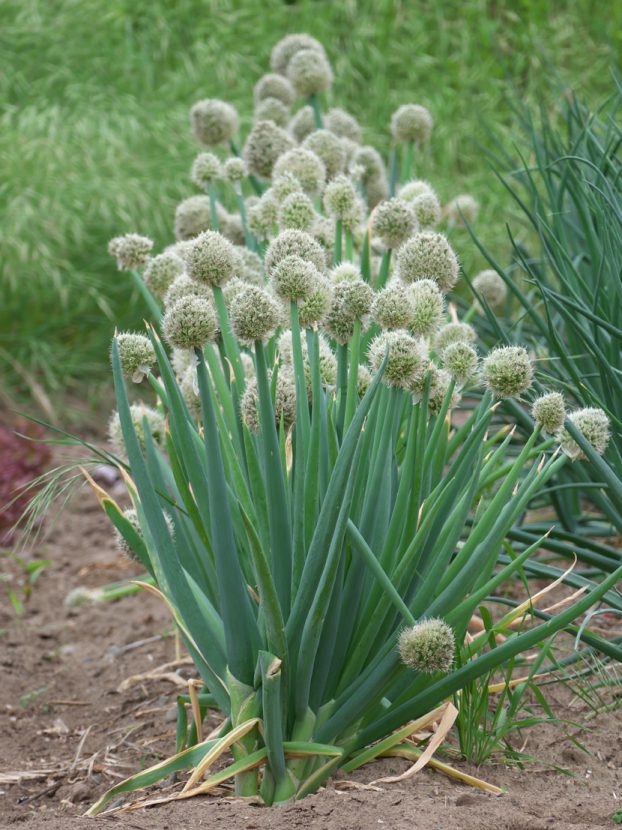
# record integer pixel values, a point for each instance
(564, 297)
(306, 500)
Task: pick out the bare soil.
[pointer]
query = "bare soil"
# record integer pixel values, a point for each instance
(73, 723)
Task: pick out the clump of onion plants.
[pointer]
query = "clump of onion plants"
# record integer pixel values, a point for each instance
(319, 523)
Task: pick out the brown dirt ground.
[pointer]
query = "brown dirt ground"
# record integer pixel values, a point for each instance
(68, 733)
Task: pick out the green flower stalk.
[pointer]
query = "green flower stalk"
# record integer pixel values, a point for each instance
(491, 287)
(428, 647)
(593, 424)
(136, 354)
(213, 122)
(264, 144)
(305, 166)
(161, 271)
(428, 255)
(131, 251)
(507, 371)
(329, 148)
(190, 323)
(549, 412)
(273, 85)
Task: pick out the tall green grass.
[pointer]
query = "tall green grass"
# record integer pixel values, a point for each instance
(96, 95)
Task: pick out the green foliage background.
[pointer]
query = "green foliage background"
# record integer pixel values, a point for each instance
(94, 136)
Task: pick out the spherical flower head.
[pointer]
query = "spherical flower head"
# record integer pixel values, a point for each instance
(406, 359)
(370, 163)
(414, 188)
(428, 255)
(427, 209)
(180, 249)
(255, 314)
(460, 360)
(508, 371)
(271, 109)
(593, 424)
(213, 122)
(137, 355)
(132, 517)
(491, 287)
(284, 401)
(183, 286)
(138, 413)
(287, 47)
(296, 212)
(231, 291)
(264, 144)
(453, 333)
(307, 167)
(351, 301)
(296, 243)
(205, 169)
(340, 197)
(276, 86)
(393, 222)
(193, 216)
(294, 278)
(190, 323)
(234, 169)
(363, 379)
(161, 271)
(411, 122)
(329, 148)
(345, 272)
(302, 124)
(283, 186)
(249, 265)
(312, 311)
(263, 215)
(180, 360)
(549, 412)
(439, 384)
(130, 251)
(211, 259)
(392, 307)
(376, 190)
(428, 647)
(323, 230)
(462, 208)
(343, 124)
(232, 229)
(428, 305)
(309, 72)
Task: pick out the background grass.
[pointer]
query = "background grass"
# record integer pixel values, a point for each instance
(94, 136)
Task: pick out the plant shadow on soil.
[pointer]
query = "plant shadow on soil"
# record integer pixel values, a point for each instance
(68, 732)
